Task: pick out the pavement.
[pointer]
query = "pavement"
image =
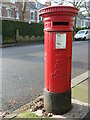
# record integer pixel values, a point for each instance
(22, 72)
(19, 44)
(77, 83)
(79, 102)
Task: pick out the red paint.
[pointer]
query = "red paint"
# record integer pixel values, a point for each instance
(58, 19)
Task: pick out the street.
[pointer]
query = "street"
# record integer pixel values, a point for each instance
(23, 72)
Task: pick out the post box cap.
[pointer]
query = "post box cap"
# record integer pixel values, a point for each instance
(58, 10)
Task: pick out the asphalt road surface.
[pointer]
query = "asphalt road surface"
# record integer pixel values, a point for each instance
(23, 72)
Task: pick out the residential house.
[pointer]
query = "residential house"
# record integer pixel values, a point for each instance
(88, 23)
(82, 21)
(9, 10)
(13, 10)
(34, 7)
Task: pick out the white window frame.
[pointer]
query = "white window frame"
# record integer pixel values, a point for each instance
(83, 23)
(40, 18)
(0, 11)
(37, 5)
(17, 14)
(33, 15)
(8, 15)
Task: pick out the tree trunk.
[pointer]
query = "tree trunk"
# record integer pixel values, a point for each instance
(23, 9)
(20, 10)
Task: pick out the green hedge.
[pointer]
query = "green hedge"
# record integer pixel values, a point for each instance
(34, 29)
(9, 29)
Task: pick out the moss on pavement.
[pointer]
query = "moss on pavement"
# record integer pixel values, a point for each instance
(79, 92)
(27, 114)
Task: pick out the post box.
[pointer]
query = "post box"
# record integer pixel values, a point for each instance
(58, 33)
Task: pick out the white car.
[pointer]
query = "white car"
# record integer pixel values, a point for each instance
(82, 34)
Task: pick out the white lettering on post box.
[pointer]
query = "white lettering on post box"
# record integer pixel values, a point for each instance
(60, 40)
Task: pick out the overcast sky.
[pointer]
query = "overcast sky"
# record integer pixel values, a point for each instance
(43, 1)
(82, 9)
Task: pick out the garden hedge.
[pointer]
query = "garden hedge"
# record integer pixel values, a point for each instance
(34, 29)
(9, 28)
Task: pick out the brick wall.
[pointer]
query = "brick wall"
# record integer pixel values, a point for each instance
(27, 15)
(17, 7)
(5, 7)
(4, 12)
(35, 15)
(13, 13)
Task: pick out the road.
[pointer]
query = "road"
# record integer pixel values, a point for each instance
(23, 72)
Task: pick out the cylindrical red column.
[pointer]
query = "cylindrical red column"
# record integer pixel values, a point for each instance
(58, 33)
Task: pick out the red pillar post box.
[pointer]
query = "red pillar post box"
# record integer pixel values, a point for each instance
(58, 34)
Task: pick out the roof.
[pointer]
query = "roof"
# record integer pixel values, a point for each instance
(81, 16)
(30, 5)
(34, 5)
(41, 5)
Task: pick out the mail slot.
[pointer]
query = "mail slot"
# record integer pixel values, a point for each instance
(60, 23)
(58, 33)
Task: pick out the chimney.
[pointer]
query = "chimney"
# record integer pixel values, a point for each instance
(48, 3)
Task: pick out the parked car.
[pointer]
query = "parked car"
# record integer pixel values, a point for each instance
(82, 35)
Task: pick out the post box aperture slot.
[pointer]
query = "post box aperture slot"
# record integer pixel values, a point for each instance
(60, 42)
(60, 23)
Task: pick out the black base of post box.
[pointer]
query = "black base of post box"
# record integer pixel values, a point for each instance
(57, 103)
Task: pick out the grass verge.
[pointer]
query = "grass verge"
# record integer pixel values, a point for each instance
(80, 92)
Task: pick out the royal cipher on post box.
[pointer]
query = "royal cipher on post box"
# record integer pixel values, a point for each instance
(58, 34)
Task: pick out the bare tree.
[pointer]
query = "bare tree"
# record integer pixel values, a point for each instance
(87, 7)
(78, 4)
(22, 8)
(59, 2)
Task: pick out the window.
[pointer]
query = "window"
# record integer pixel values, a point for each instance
(37, 5)
(17, 14)
(81, 32)
(86, 32)
(39, 18)
(79, 23)
(82, 23)
(0, 11)
(8, 13)
(32, 15)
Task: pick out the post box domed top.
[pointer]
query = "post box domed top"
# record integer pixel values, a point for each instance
(58, 10)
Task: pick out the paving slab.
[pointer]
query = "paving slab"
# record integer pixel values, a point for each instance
(11, 116)
(80, 92)
(77, 80)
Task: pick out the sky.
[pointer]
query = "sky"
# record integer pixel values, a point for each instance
(43, 1)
